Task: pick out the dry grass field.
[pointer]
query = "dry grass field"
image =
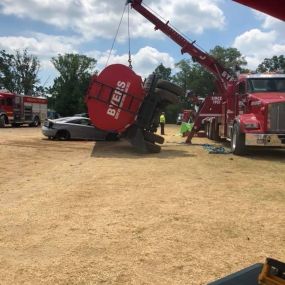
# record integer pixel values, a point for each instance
(82, 213)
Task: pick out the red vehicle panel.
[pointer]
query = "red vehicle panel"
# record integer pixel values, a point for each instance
(18, 109)
(247, 109)
(113, 101)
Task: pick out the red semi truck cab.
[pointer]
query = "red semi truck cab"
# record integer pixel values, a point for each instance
(260, 111)
(16, 109)
(252, 115)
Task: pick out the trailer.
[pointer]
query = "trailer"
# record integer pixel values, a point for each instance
(17, 109)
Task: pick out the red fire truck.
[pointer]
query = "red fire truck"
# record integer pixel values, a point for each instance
(18, 109)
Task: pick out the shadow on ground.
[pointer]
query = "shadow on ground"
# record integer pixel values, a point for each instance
(123, 149)
(262, 153)
(266, 154)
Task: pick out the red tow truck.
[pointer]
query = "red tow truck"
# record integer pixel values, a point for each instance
(247, 109)
(16, 109)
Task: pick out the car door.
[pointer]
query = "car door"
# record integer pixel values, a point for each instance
(79, 129)
(86, 130)
(96, 133)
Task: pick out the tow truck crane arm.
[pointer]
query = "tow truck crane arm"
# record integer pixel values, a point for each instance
(222, 75)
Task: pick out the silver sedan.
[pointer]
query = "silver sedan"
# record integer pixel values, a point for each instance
(75, 128)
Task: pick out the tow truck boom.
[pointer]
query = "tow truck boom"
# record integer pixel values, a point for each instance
(222, 75)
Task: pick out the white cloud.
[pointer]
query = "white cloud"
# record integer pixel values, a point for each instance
(44, 47)
(191, 15)
(274, 24)
(40, 45)
(89, 20)
(95, 18)
(257, 45)
(144, 61)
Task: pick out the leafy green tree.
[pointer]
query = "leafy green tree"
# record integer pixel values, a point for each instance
(7, 71)
(171, 112)
(276, 63)
(19, 72)
(182, 77)
(27, 67)
(193, 76)
(163, 72)
(230, 58)
(70, 87)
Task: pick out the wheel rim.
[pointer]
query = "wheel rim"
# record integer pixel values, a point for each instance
(207, 130)
(234, 140)
(37, 122)
(2, 119)
(62, 135)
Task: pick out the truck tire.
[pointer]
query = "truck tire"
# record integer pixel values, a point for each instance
(150, 83)
(209, 131)
(151, 137)
(238, 141)
(62, 135)
(215, 131)
(36, 123)
(152, 148)
(2, 121)
(166, 96)
(171, 87)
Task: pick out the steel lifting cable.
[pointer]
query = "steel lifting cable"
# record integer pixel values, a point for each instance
(116, 35)
(129, 39)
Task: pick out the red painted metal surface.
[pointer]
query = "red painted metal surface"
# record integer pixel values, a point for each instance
(275, 8)
(114, 98)
(36, 100)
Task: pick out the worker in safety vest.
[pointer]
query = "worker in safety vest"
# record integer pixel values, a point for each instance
(162, 123)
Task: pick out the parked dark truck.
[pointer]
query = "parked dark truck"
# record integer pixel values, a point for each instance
(248, 110)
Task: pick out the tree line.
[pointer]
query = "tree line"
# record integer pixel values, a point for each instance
(19, 73)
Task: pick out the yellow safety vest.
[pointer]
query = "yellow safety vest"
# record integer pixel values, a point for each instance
(162, 119)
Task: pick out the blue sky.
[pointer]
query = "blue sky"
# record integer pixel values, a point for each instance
(47, 28)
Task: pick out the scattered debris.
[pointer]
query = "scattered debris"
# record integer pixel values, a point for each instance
(212, 149)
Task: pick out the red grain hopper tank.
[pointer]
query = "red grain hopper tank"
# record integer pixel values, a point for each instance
(114, 98)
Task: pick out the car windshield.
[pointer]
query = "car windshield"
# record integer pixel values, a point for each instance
(266, 85)
(82, 121)
(62, 119)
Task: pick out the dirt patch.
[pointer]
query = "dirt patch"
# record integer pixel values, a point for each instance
(83, 213)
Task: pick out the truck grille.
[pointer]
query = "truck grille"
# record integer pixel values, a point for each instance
(276, 117)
